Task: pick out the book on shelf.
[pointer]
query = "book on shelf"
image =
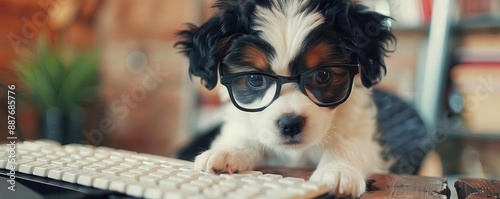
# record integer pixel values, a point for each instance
(477, 79)
(479, 7)
(479, 84)
(479, 48)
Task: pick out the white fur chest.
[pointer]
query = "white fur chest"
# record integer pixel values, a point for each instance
(292, 158)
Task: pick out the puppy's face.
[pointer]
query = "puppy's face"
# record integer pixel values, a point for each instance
(297, 41)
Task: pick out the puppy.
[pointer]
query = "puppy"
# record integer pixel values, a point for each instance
(298, 74)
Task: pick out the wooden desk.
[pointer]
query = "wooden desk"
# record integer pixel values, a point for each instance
(406, 186)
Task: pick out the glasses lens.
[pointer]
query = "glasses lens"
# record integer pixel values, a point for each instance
(253, 91)
(327, 85)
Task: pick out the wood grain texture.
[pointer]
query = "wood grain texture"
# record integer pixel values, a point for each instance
(473, 188)
(406, 186)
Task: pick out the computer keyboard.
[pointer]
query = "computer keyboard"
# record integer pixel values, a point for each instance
(145, 175)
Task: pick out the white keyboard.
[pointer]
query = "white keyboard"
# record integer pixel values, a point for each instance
(146, 175)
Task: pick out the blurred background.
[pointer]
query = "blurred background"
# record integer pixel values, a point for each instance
(104, 72)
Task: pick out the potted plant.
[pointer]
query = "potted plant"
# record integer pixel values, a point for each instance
(59, 83)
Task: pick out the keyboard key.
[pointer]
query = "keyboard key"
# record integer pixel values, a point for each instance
(281, 194)
(201, 183)
(93, 168)
(43, 170)
(61, 162)
(130, 175)
(270, 177)
(274, 185)
(149, 179)
(131, 159)
(243, 193)
(185, 169)
(103, 182)
(211, 178)
(77, 165)
(72, 176)
(113, 161)
(152, 162)
(103, 164)
(61, 153)
(18, 163)
(138, 171)
(37, 154)
(170, 183)
(178, 194)
(120, 185)
(87, 179)
(131, 164)
(45, 159)
(234, 176)
(136, 190)
(252, 180)
(155, 192)
(189, 174)
(217, 190)
(158, 174)
(192, 187)
(93, 159)
(114, 154)
(57, 173)
(114, 171)
(149, 167)
(254, 173)
(47, 151)
(169, 171)
(68, 159)
(178, 179)
(28, 167)
(292, 181)
(27, 156)
(213, 192)
(101, 155)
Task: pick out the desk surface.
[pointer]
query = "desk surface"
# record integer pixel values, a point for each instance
(407, 186)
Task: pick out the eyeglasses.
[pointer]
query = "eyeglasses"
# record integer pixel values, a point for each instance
(326, 86)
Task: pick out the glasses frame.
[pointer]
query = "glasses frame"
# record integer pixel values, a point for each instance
(227, 80)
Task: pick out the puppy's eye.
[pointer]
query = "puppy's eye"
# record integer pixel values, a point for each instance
(322, 77)
(256, 82)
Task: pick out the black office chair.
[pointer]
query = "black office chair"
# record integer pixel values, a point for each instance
(403, 132)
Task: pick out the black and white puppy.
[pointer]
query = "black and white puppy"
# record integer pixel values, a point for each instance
(298, 74)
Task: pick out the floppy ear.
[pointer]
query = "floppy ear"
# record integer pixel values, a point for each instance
(203, 47)
(207, 45)
(372, 36)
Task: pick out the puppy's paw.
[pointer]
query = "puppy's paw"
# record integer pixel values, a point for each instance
(343, 179)
(224, 161)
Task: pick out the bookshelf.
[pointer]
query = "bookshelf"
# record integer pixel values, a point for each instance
(461, 50)
(433, 77)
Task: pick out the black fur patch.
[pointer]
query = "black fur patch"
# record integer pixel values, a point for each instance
(359, 34)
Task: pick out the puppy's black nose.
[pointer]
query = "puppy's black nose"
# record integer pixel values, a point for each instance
(291, 124)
